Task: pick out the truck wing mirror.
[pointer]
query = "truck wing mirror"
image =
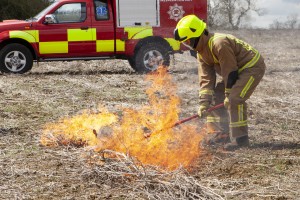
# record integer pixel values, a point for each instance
(49, 19)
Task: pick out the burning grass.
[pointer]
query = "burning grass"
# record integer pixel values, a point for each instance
(167, 147)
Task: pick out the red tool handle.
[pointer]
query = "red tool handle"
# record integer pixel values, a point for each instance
(216, 107)
(196, 116)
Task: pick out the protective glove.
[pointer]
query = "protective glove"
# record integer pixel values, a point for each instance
(203, 108)
(226, 101)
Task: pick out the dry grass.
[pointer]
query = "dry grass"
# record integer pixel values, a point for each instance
(148, 182)
(269, 169)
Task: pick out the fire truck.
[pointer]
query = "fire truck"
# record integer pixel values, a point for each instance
(140, 31)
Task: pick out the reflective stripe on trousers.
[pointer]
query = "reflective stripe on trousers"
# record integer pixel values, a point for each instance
(248, 80)
(217, 120)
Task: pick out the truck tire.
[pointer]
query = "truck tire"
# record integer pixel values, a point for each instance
(150, 56)
(131, 61)
(16, 59)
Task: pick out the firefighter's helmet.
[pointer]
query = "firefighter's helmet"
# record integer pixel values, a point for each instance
(189, 27)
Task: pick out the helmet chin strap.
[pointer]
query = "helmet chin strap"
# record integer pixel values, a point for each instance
(192, 44)
(188, 46)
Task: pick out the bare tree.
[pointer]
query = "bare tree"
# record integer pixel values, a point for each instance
(214, 18)
(292, 21)
(231, 13)
(276, 25)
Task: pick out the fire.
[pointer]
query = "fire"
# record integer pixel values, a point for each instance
(77, 130)
(167, 147)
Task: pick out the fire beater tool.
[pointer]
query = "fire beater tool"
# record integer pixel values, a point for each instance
(188, 119)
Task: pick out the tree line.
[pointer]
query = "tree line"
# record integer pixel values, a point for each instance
(231, 14)
(234, 14)
(21, 9)
(291, 22)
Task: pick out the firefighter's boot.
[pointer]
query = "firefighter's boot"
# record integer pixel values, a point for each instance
(215, 139)
(237, 143)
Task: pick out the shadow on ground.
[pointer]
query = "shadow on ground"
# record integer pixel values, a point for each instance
(276, 146)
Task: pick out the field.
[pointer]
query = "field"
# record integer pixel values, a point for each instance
(268, 169)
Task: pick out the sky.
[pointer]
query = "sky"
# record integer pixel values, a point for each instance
(276, 9)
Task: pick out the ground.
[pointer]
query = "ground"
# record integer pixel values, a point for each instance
(269, 169)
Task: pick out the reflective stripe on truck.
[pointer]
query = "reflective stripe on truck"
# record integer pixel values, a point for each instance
(77, 35)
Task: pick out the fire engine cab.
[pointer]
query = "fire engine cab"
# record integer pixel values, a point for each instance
(140, 31)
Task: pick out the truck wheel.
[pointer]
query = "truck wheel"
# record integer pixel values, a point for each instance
(131, 61)
(150, 56)
(16, 59)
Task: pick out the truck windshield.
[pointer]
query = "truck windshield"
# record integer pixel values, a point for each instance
(45, 11)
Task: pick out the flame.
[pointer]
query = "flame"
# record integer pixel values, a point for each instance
(77, 130)
(167, 147)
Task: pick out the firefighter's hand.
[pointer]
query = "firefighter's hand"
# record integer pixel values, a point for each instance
(226, 102)
(202, 111)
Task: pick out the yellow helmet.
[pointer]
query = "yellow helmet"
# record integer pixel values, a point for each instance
(188, 27)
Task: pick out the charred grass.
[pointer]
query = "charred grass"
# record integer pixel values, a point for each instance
(269, 169)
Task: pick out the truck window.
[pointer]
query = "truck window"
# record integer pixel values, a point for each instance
(101, 9)
(70, 13)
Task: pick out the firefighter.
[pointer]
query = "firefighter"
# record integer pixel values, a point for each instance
(241, 68)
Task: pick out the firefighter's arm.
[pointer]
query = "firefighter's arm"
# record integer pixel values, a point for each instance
(228, 64)
(207, 81)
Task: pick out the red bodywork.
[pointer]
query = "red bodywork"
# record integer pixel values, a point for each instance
(170, 13)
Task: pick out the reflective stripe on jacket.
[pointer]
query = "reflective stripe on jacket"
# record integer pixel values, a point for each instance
(222, 54)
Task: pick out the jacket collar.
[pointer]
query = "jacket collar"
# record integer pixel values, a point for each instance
(203, 42)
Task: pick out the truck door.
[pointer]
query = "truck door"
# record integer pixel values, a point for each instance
(103, 22)
(69, 34)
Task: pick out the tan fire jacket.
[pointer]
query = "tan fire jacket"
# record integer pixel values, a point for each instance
(225, 55)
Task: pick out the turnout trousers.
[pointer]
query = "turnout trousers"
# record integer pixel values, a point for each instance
(234, 119)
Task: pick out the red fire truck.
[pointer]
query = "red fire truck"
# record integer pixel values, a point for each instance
(140, 31)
